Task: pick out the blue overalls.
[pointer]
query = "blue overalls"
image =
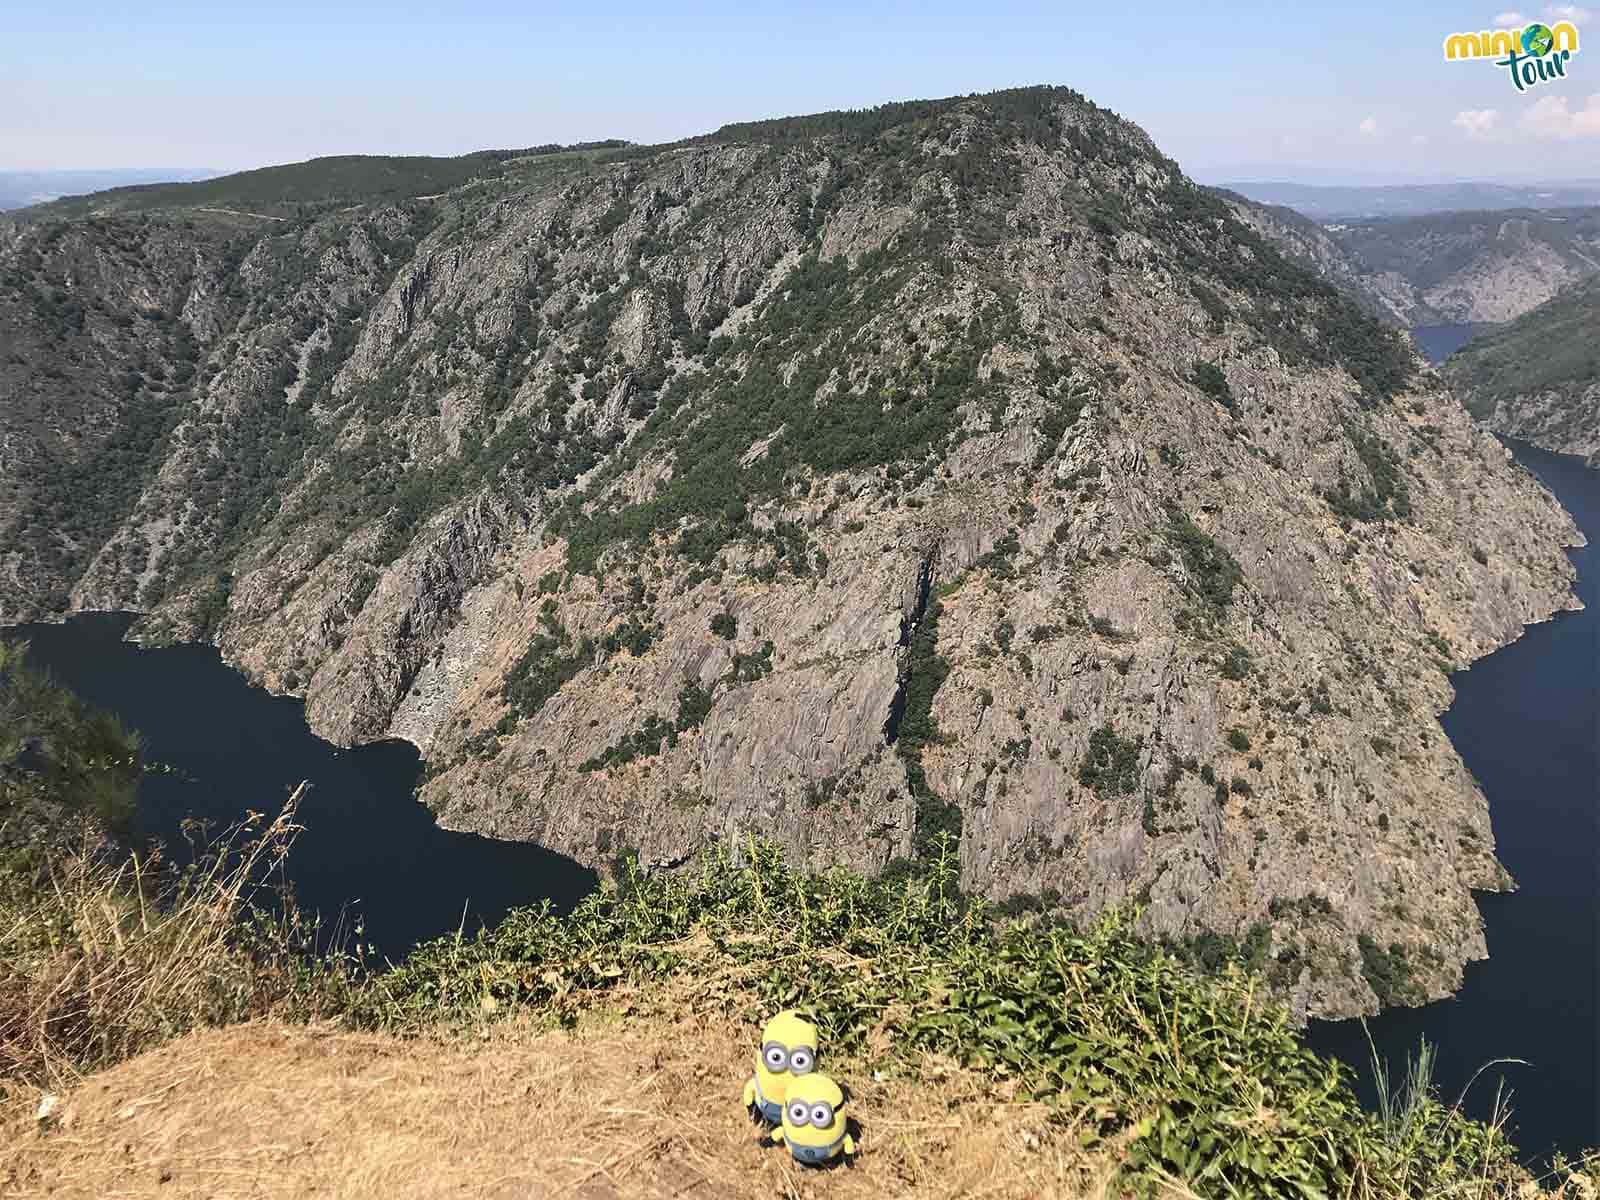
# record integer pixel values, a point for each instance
(816, 1155)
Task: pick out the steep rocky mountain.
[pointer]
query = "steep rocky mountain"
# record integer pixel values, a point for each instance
(1442, 269)
(1538, 378)
(951, 469)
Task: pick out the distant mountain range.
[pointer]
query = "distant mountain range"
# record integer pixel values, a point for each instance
(1535, 273)
(1332, 203)
(19, 189)
(1441, 268)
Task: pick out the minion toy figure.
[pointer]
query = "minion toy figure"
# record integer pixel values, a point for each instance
(814, 1125)
(788, 1052)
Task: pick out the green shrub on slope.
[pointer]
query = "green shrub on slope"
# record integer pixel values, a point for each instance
(56, 748)
(1197, 1077)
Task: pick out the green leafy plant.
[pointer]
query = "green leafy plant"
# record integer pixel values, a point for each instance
(1112, 762)
(1211, 572)
(1188, 1073)
(916, 729)
(1208, 377)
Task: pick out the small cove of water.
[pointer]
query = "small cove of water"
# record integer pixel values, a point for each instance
(369, 850)
(1439, 342)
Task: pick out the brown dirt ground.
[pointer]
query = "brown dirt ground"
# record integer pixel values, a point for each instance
(646, 1107)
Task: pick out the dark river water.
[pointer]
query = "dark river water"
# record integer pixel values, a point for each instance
(1439, 342)
(369, 850)
(1526, 720)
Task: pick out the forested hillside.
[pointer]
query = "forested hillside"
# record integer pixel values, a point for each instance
(1539, 377)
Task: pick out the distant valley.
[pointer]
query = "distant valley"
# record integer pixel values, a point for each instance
(1324, 202)
(1538, 378)
(1535, 272)
(1447, 268)
(19, 189)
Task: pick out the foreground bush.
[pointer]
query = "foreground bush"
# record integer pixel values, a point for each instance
(1184, 1077)
(105, 948)
(1198, 1078)
(104, 953)
(1196, 1084)
(62, 763)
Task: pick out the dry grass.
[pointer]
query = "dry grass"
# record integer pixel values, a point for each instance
(112, 955)
(640, 1100)
(642, 1107)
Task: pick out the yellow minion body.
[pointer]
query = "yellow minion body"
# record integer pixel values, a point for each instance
(787, 1052)
(815, 1127)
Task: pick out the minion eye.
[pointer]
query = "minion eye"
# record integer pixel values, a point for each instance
(776, 1057)
(798, 1113)
(821, 1116)
(801, 1060)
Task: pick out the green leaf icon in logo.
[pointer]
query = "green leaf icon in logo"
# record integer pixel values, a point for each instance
(1537, 40)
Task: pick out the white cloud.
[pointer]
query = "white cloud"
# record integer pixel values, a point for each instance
(1509, 20)
(1550, 118)
(1568, 12)
(1369, 127)
(1477, 122)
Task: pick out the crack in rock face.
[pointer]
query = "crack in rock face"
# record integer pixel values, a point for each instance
(921, 590)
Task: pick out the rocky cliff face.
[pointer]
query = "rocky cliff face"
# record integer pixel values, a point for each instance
(956, 469)
(1539, 378)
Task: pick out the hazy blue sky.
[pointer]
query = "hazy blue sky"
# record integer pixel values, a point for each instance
(1353, 86)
